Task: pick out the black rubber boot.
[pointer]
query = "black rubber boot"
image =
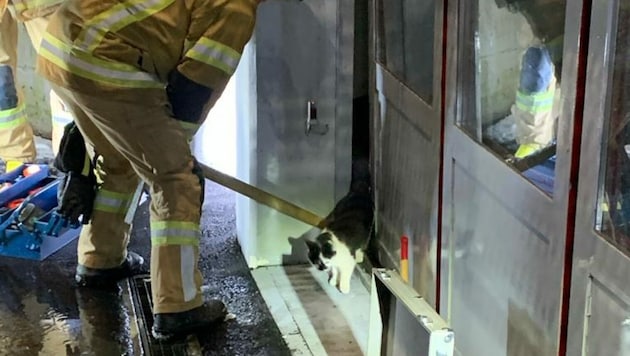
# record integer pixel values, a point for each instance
(92, 277)
(169, 325)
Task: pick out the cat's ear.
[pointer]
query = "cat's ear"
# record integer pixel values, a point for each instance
(312, 246)
(324, 237)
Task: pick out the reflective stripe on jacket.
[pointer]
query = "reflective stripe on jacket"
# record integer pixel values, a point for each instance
(107, 45)
(535, 115)
(30, 9)
(535, 103)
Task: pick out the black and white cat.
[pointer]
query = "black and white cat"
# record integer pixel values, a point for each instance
(345, 236)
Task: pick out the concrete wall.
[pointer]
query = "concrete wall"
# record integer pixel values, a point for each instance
(34, 87)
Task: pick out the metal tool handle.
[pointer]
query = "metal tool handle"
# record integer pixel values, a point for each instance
(263, 197)
(247, 190)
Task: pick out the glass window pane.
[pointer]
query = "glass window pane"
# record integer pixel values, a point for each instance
(405, 42)
(614, 195)
(510, 65)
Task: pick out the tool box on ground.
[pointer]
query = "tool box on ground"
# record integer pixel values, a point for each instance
(29, 225)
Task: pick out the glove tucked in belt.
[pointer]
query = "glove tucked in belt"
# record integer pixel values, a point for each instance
(76, 197)
(77, 190)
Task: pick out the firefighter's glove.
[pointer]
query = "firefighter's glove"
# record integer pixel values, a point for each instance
(77, 189)
(187, 98)
(76, 196)
(72, 155)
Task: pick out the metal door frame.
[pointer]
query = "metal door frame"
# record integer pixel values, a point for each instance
(547, 214)
(594, 259)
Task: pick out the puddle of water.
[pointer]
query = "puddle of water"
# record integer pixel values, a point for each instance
(98, 323)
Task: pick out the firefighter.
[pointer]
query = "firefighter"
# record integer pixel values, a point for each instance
(16, 135)
(538, 96)
(139, 78)
(534, 107)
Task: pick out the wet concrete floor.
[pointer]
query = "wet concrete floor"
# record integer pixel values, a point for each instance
(43, 313)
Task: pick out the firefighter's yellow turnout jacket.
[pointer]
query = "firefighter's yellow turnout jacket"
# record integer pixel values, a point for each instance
(128, 47)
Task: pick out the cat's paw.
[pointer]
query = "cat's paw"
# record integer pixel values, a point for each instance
(344, 289)
(332, 282)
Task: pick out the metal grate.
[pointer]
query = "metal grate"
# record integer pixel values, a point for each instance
(140, 293)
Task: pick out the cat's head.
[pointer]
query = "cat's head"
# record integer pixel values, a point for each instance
(321, 250)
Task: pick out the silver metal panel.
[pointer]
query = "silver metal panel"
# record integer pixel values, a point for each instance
(303, 52)
(503, 238)
(600, 293)
(402, 322)
(609, 321)
(407, 188)
(406, 143)
(506, 279)
(344, 81)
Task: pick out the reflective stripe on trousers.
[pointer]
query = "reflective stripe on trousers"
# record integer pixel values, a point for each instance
(12, 117)
(186, 235)
(129, 140)
(111, 202)
(16, 136)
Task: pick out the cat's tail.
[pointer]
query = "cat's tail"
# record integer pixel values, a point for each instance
(361, 181)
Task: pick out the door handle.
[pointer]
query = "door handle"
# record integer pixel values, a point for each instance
(312, 124)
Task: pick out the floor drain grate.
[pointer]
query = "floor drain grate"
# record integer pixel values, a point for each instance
(140, 290)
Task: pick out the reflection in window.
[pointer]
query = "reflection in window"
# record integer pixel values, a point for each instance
(510, 66)
(614, 206)
(405, 42)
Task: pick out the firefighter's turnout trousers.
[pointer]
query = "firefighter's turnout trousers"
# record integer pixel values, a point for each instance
(161, 157)
(16, 134)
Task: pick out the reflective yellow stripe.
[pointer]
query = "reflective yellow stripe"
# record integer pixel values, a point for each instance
(116, 18)
(527, 149)
(215, 54)
(86, 166)
(174, 233)
(111, 202)
(87, 66)
(162, 225)
(31, 4)
(174, 240)
(535, 103)
(19, 6)
(190, 128)
(12, 117)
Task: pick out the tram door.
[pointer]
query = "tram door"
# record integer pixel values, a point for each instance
(407, 65)
(510, 97)
(599, 319)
